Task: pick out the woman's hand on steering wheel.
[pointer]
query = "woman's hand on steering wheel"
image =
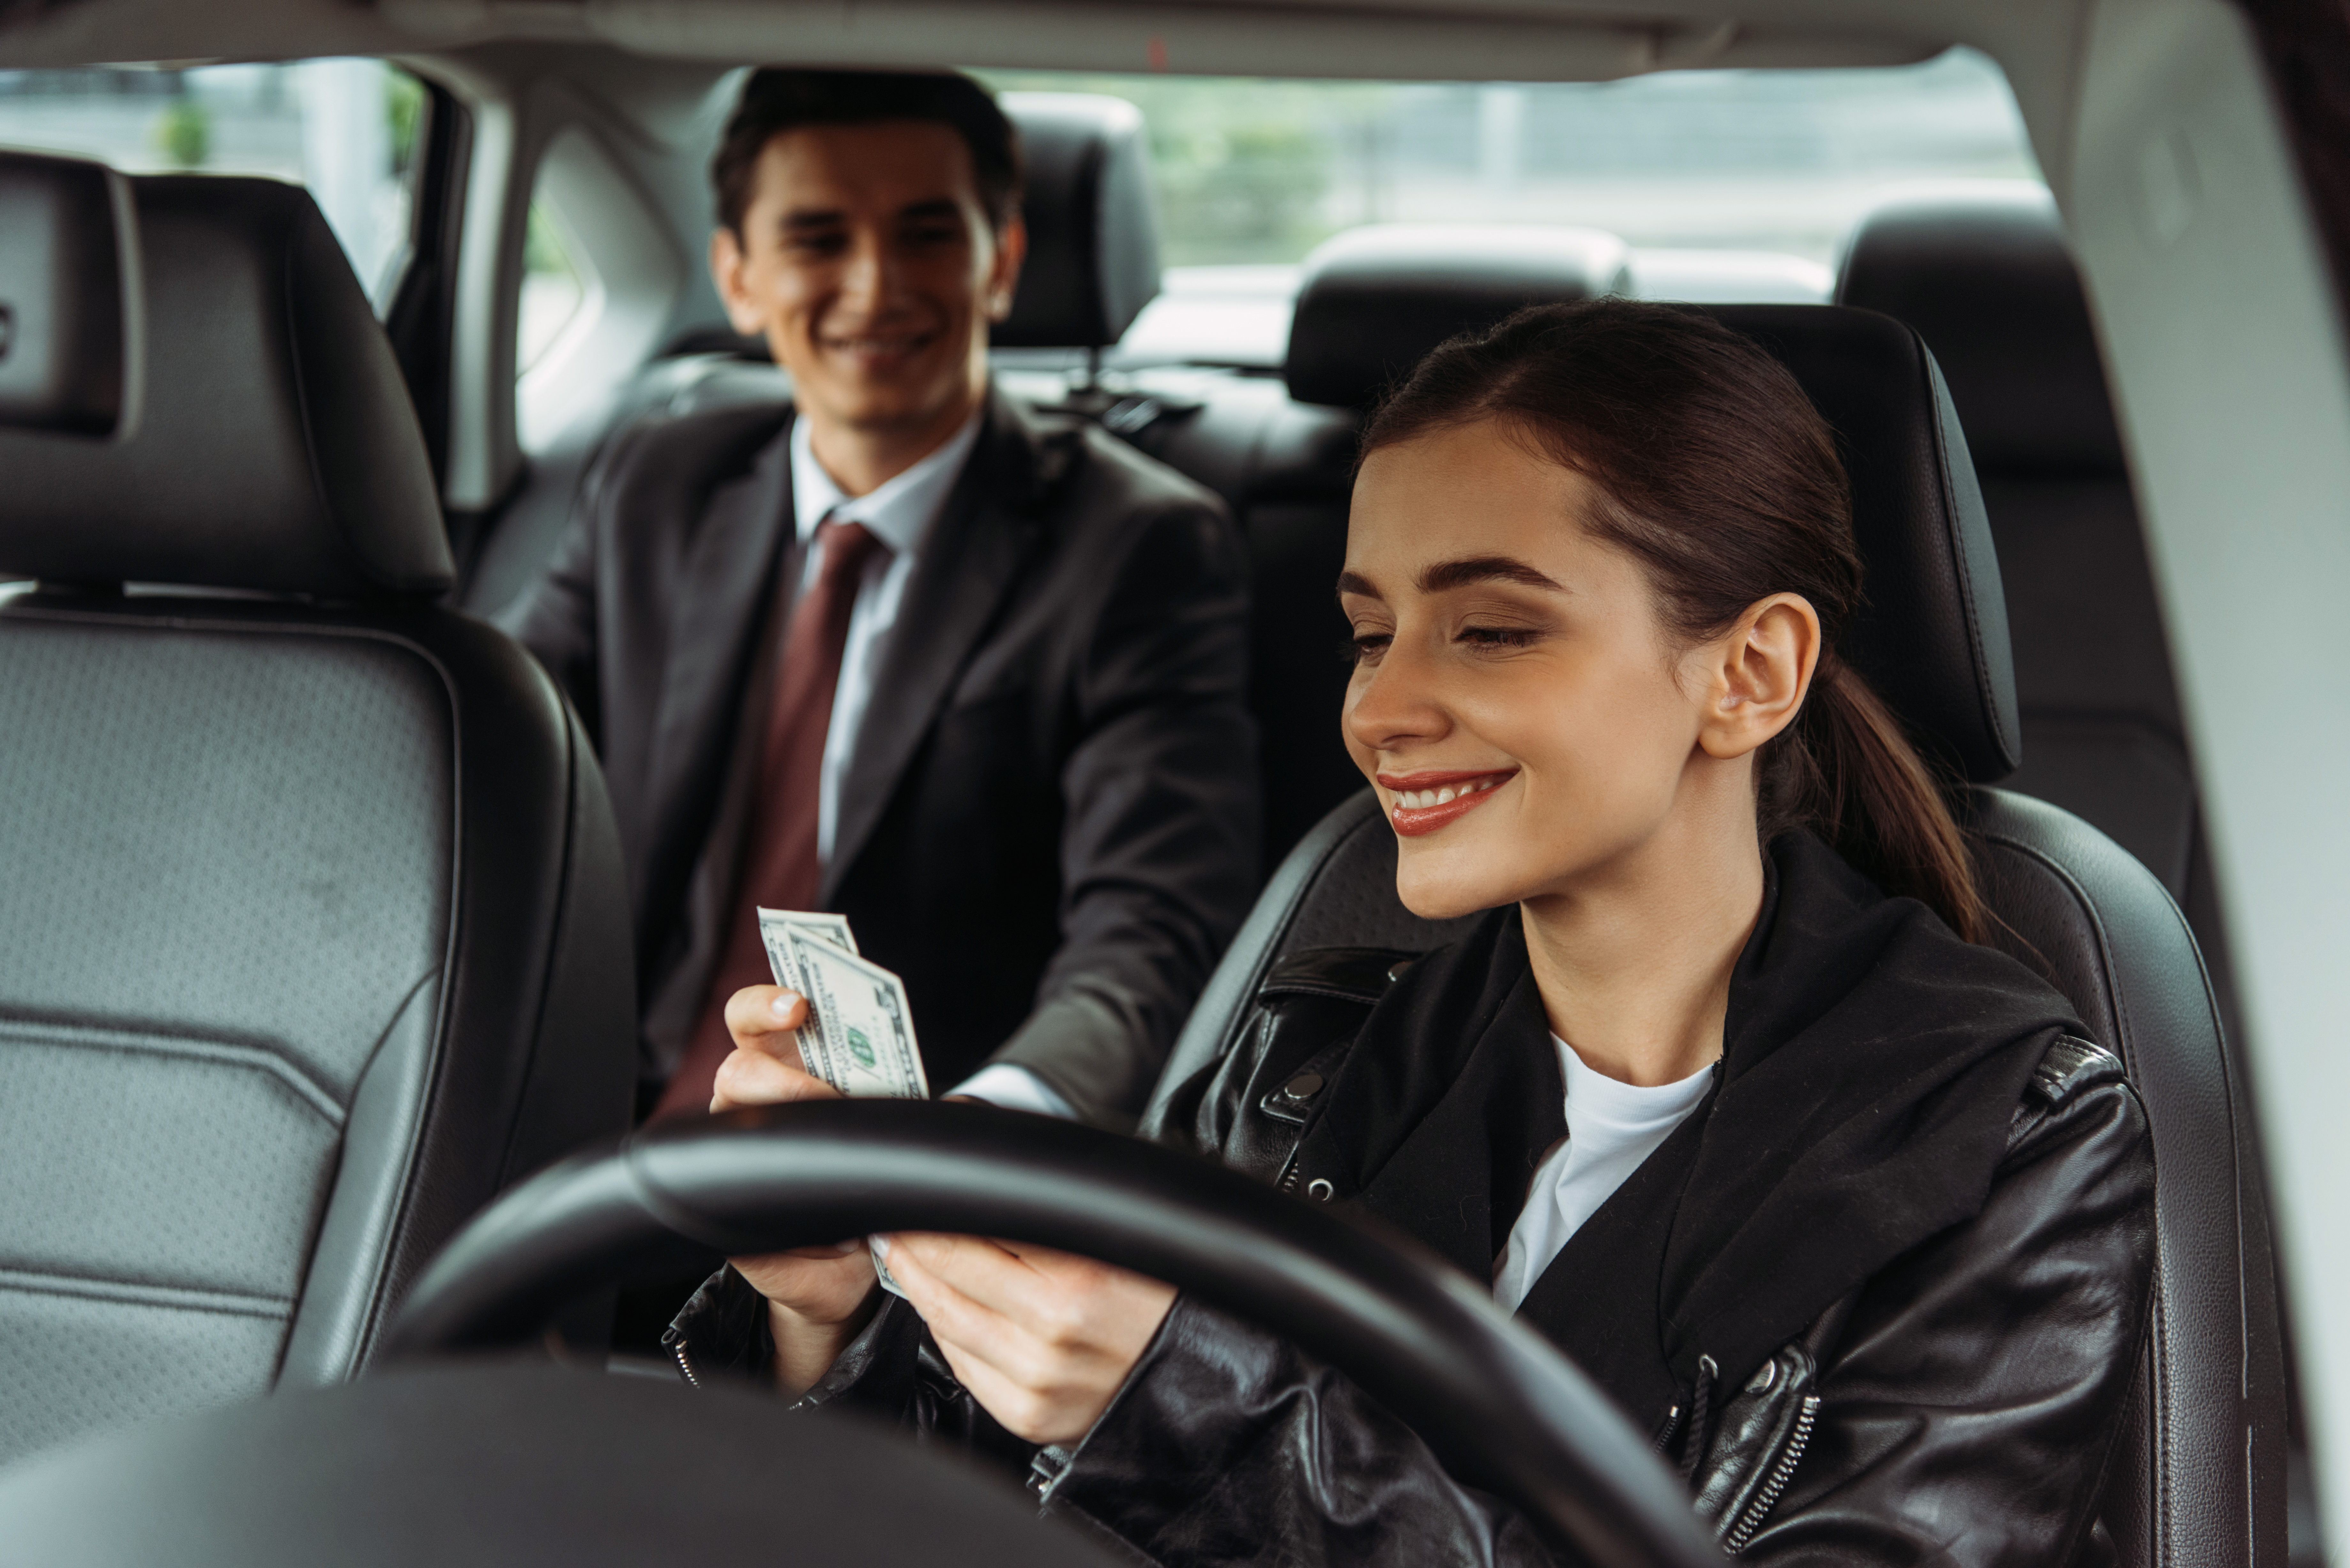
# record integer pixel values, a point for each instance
(1043, 1339)
(818, 1297)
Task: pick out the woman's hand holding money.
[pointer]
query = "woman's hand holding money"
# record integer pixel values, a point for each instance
(1043, 1339)
(817, 1297)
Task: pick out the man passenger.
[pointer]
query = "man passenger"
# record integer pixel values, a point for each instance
(970, 675)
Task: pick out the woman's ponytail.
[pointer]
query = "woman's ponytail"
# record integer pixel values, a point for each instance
(1717, 475)
(1845, 770)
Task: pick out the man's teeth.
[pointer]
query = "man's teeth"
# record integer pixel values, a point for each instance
(1421, 799)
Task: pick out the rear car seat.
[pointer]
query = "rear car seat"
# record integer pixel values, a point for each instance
(1370, 304)
(313, 935)
(1988, 284)
(1093, 265)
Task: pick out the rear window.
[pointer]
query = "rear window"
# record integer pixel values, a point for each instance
(348, 128)
(1778, 161)
(1729, 185)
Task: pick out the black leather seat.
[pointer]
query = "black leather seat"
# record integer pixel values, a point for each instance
(1371, 303)
(1988, 282)
(313, 935)
(2197, 1478)
(1093, 237)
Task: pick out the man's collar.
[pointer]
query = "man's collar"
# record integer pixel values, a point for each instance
(898, 512)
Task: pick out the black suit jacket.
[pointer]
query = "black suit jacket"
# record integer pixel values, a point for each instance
(1049, 825)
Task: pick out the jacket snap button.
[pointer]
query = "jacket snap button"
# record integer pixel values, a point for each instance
(1762, 1379)
(1319, 1190)
(1304, 1086)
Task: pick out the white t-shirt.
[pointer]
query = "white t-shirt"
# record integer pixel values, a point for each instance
(1611, 1127)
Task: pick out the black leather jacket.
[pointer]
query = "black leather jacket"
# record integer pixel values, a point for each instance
(1957, 1407)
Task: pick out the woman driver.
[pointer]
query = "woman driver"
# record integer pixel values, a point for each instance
(1719, 1092)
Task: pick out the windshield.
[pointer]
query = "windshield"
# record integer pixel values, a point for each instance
(348, 128)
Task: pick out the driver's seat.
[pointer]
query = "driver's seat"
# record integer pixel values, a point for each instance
(2197, 1478)
(313, 930)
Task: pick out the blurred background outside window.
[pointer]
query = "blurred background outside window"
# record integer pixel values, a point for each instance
(554, 286)
(1728, 185)
(348, 128)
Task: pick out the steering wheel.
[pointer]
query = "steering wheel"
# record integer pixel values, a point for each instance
(1492, 1400)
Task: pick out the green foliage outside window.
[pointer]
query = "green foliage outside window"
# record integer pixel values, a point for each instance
(403, 106)
(1247, 170)
(542, 247)
(184, 132)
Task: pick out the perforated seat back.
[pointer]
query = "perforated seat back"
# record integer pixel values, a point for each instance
(2197, 1476)
(313, 935)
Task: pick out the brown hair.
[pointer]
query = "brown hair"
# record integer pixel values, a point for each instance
(777, 98)
(1720, 479)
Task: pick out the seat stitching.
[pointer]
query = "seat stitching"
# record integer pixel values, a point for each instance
(184, 1298)
(1976, 654)
(265, 1058)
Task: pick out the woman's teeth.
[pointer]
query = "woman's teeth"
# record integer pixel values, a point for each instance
(1421, 799)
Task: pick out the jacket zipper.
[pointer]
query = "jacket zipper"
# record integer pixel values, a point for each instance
(684, 1366)
(1782, 1473)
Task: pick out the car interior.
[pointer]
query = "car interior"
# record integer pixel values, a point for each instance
(317, 990)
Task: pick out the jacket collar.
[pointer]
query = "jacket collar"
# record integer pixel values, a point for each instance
(731, 569)
(1872, 1064)
(991, 521)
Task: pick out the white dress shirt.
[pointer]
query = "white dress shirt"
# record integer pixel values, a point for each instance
(901, 514)
(1611, 1127)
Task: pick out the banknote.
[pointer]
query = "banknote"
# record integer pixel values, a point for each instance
(859, 1034)
(773, 923)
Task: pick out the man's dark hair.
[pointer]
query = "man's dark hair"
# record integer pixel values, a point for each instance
(777, 98)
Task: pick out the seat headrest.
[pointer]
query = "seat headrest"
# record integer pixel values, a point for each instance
(71, 349)
(277, 449)
(1987, 281)
(1932, 636)
(1093, 240)
(1373, 301)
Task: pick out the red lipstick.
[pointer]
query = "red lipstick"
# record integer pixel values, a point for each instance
(1472, 790)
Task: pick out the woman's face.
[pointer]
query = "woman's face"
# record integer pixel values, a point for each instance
(1528, 721)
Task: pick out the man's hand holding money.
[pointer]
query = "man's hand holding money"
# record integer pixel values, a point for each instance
(1043, 1339)
(817, 1297)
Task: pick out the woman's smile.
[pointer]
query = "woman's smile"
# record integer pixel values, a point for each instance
(1424, 802)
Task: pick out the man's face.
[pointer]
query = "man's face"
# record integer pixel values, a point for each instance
(869, 265)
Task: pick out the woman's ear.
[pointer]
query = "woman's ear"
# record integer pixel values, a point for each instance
(1761, 669)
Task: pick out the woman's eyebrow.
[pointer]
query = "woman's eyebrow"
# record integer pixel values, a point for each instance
(1467, 569)
(1357, 584)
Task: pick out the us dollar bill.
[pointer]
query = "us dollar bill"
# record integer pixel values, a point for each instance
(773, 923)
(859, 1034)
(786, 933)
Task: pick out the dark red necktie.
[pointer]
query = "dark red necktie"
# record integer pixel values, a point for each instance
(781, 866)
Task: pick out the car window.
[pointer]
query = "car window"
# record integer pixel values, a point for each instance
(599, 281)
(1729, 185)
(348, 128)
(554, 286)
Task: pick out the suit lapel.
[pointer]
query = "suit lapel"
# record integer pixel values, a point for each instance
(970, 559)
(728, 581)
